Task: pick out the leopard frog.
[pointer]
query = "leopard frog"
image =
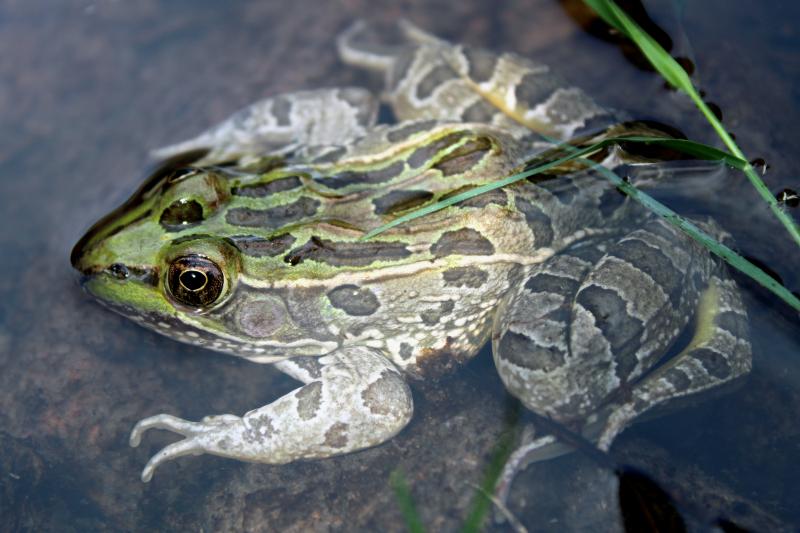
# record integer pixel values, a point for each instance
(248, 240)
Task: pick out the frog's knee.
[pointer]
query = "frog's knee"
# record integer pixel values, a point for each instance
(388, 400)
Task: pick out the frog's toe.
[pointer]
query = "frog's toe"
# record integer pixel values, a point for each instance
(532, 450)
(187, 446)
(163, 421)
(191, 444)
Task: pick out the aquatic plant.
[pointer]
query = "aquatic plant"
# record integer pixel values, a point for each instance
(674, 74)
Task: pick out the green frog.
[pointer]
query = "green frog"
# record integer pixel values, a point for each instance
(248, 240)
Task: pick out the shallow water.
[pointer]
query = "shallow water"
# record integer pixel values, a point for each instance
(90, 87)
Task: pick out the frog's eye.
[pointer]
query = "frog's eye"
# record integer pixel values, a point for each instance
(195, 281)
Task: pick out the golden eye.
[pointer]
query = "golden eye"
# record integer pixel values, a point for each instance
(195, 281)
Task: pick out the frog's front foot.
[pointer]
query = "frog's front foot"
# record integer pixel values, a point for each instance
(199, 437)
(357, 399)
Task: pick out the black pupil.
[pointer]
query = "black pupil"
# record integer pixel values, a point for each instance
(193, 280)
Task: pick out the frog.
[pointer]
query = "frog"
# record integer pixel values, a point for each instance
(249, 239)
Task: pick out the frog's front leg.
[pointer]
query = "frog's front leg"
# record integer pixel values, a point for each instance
(359, 400)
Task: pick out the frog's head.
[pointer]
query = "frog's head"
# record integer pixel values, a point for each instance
(166, 259)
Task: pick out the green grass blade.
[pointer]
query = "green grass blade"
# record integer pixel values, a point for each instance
(692, 148)
(677, 76)
(406, 502)
(698, 150)
(481, 504)
(729, 256)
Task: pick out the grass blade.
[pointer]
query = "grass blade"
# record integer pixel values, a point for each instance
(698, 150)
(406, 502)
(677, 76)
(692, 148)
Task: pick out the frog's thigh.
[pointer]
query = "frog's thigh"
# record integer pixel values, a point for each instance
(718, 352)
(532, 334)
(304, 118)
(588, 323)
(359, 400)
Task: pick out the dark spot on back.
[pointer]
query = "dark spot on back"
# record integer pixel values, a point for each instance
(259, 247)
(353, 300)
(350, 177)
(465, 241)
(265, 189)
(396, 201)
(346, 253)
(309, 364)
(654, 263)
(406, 350)
(537, 220)
(388, 395)
(480, 111)
(524, 352)
(481, 63)
(733, 323)
(678, 379)
(564, 189)
(437, 76)
(713, 362)
(622, 331)
(535, 88)
(308, 400)
(336, 436)
(464, 157)
(471, 276)
(544, 282)
(426, 153)
(610, 200)
(274, 217)
(431, 317)
(404, 131)
(282, 108)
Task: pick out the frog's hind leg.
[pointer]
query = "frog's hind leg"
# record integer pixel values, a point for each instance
(719, 352)
(417, 35)
(282, 123)
(595, 320)
(353, 49)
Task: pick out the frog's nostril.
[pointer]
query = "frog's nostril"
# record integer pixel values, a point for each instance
(118, 270)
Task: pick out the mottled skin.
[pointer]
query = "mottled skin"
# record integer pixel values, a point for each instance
(581, 292)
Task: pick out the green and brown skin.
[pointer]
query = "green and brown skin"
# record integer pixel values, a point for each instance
(263, 259)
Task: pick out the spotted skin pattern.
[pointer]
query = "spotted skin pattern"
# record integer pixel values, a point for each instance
(581, 293)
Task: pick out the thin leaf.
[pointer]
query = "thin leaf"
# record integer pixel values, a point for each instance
(406, 502)
(698, 150)
(677, 76)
